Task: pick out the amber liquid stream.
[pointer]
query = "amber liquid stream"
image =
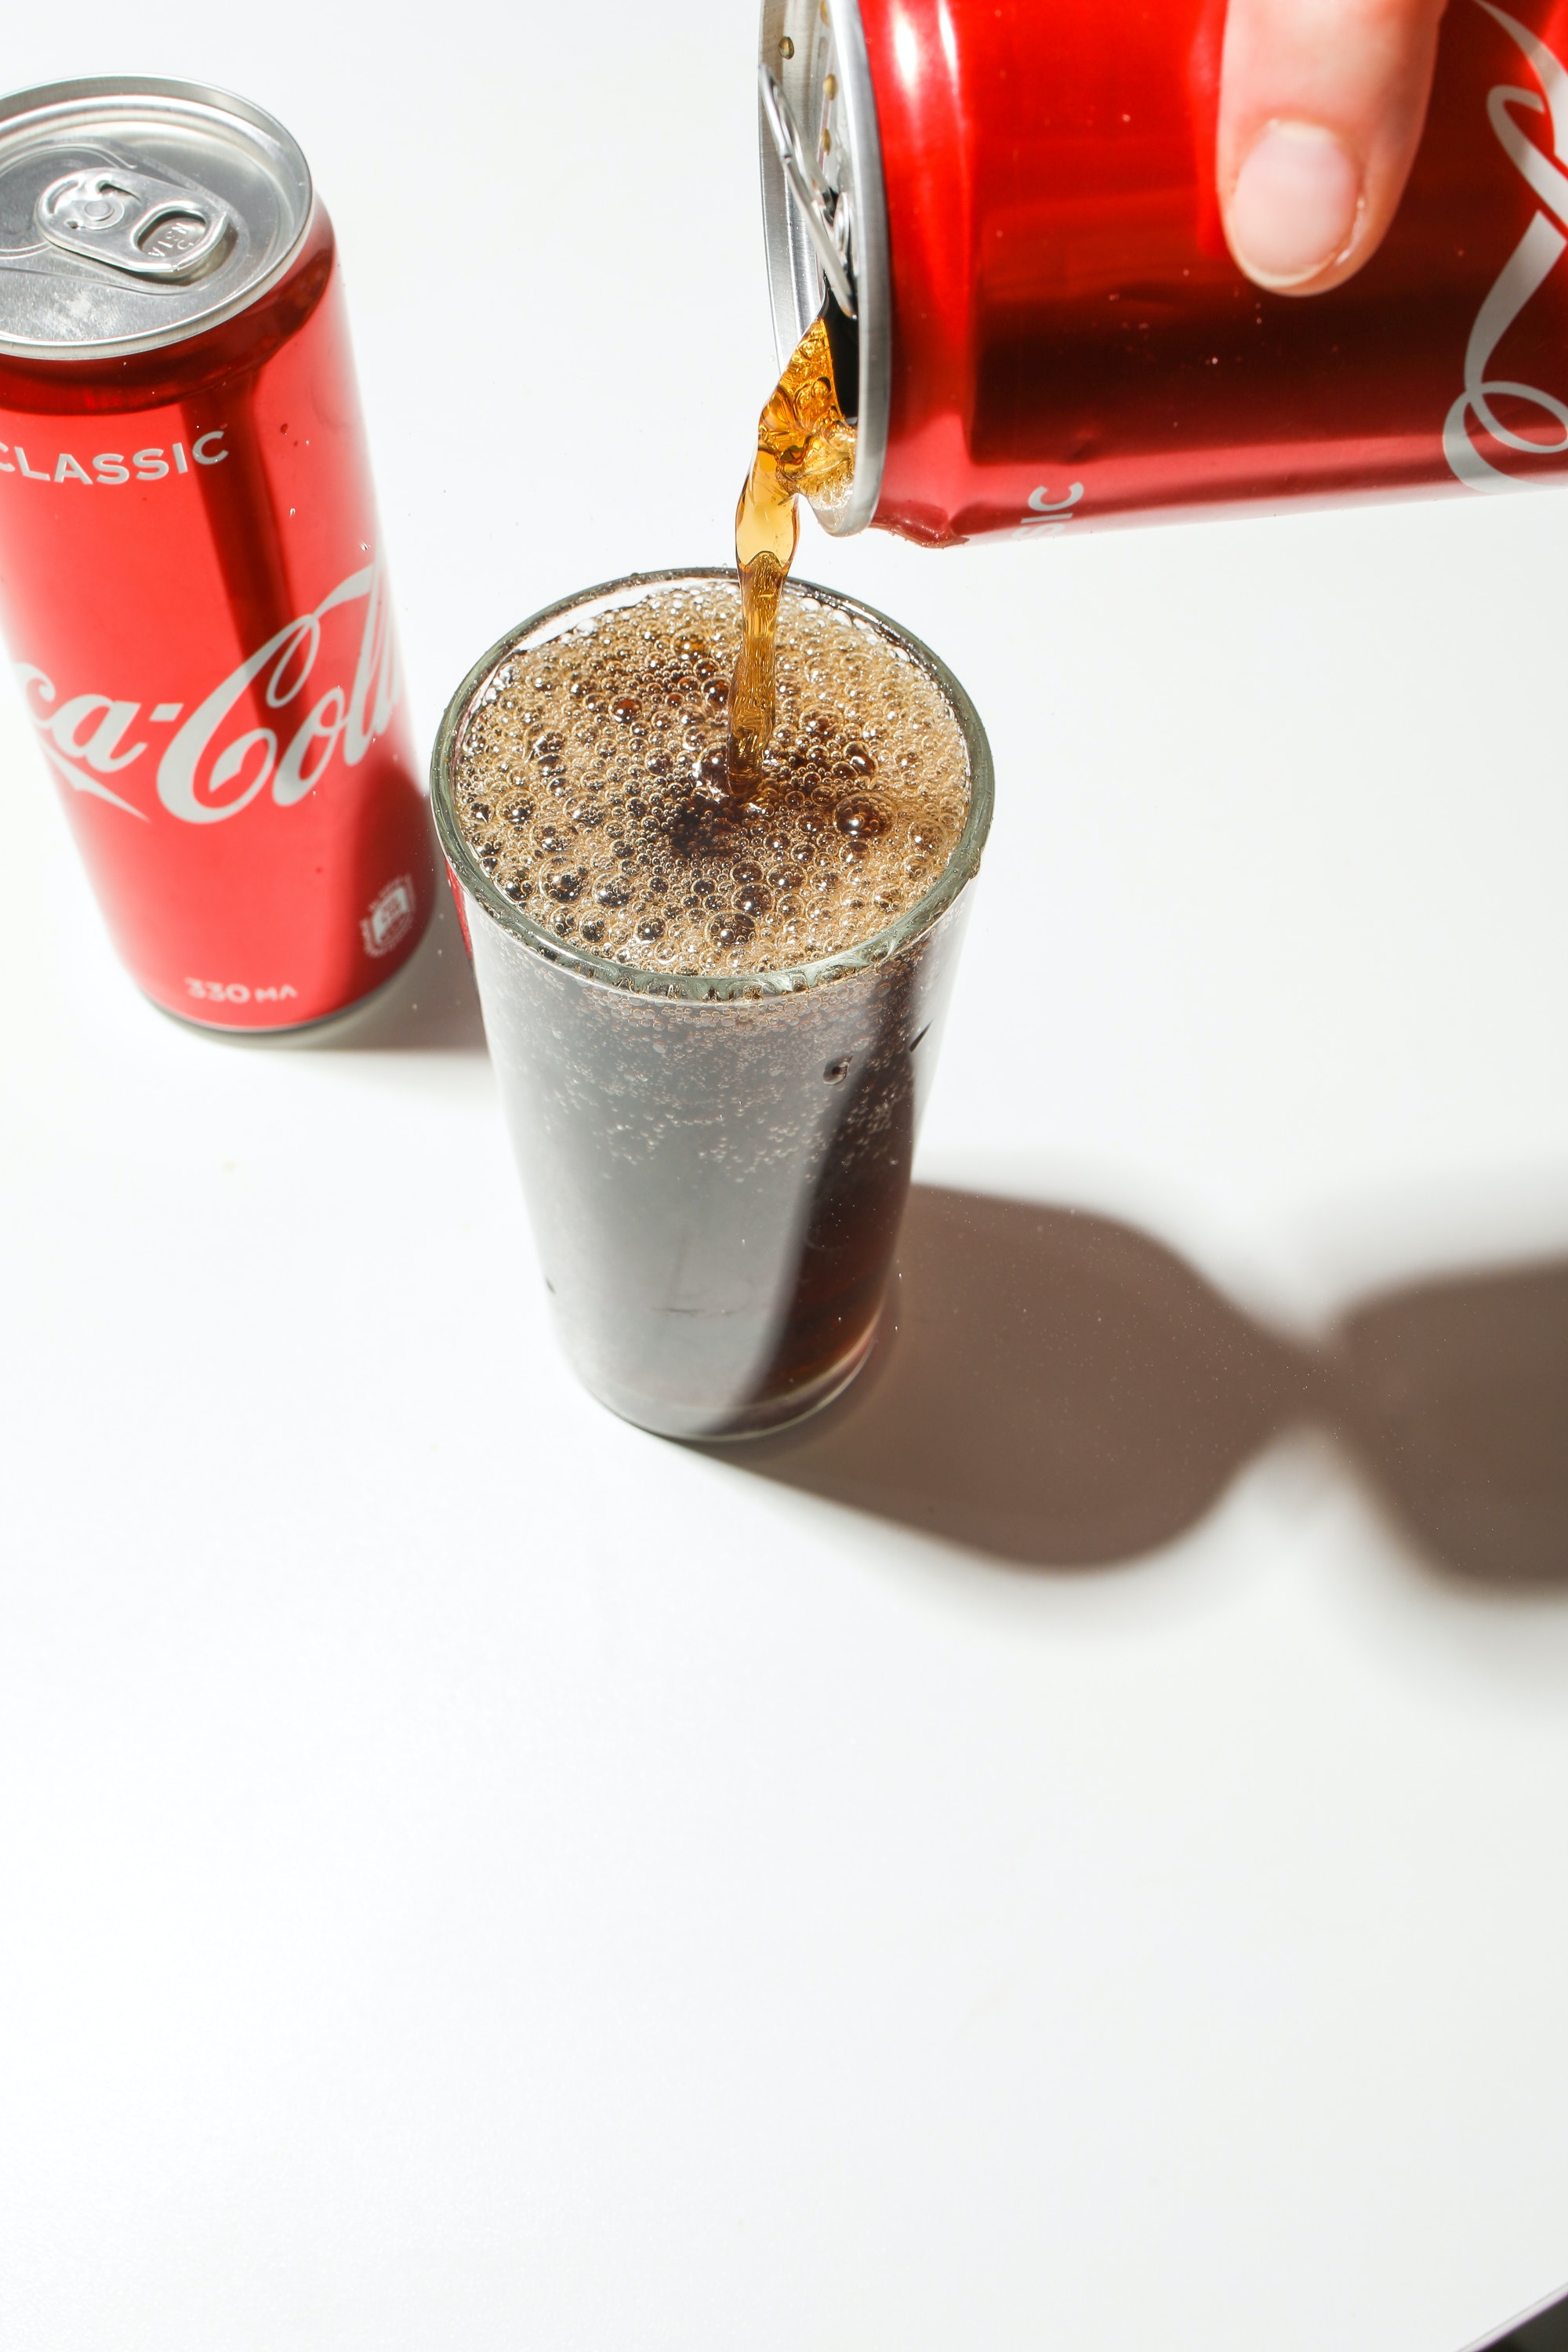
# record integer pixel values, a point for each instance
(805, 448)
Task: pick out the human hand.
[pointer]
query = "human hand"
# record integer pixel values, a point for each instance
(1321, 105)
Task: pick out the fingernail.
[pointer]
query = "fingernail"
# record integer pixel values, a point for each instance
(1295, 202)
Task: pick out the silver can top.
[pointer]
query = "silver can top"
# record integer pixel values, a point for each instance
(135, 212)
(825, 217)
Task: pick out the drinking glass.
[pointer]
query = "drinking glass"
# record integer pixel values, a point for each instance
(715, 1164)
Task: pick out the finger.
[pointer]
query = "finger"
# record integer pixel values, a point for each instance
(1321, 104)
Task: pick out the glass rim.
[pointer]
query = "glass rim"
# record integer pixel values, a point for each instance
(707, 988)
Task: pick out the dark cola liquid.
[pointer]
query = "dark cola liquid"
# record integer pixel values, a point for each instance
(716, 1188)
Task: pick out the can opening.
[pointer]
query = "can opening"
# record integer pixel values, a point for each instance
(844, 342)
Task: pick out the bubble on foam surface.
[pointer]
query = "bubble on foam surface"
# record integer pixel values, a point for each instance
(594, 788)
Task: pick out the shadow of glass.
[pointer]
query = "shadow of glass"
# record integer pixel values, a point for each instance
(1060, 1391)
(1051, 1388)
(1455, 1396)
(1547, 2332)
(432, 1006)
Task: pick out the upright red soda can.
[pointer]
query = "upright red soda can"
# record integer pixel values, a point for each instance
(191, 579)
(1017, 204)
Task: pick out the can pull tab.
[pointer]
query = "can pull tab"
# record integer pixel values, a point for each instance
(147, 227)
(828, 212)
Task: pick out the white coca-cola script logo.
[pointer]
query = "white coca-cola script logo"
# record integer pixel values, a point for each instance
(208, 773)
(1527, 268)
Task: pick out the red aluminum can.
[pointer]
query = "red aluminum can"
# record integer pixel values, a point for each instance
(1017, 203)
(191, 579)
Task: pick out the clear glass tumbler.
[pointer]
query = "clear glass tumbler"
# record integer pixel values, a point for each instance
(716, 1166)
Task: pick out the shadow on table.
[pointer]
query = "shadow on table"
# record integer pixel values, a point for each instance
(1547, 2332)
(1060, 1390)
(432, 1006)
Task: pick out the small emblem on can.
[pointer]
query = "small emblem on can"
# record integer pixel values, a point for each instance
(391, 917)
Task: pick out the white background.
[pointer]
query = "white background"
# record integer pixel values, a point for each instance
(475, 1876)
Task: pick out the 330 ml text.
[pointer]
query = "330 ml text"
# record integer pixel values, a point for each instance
(238, 991)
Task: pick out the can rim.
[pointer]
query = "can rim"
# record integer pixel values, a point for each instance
(796, 288)
(45, 96)
(704, 988)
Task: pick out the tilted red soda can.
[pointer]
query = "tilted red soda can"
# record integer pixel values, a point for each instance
(1018, 204)
(191, 578)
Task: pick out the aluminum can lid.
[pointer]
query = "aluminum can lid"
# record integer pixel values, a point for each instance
(824, 216)
(135, 212)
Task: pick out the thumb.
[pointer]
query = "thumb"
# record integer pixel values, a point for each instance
(1321, 105)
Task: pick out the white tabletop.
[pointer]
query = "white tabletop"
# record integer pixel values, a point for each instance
(1049, 1860)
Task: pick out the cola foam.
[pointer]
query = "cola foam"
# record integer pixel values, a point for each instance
(595, 786)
